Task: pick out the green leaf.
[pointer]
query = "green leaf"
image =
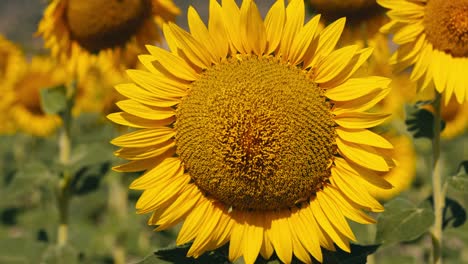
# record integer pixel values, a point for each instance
(27, 185)
(358, 255)
(178, 255)
(454, 214)
(460, 181)
(56, 254)
(88, 178)
(20, 250)
(54, 100)
(403, 221)
(420, 122)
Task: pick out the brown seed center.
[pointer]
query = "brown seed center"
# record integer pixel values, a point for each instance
(256, 134)
(446, 26)
(102, 24)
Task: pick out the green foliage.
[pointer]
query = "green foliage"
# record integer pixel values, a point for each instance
(454, 214)
(420, 122)
(177, 255)
(54, 100)
(460, 180)
(403, 221)
(358, 255)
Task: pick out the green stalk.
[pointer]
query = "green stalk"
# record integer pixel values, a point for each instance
(64, 186)
(438, 190)
(64, 195)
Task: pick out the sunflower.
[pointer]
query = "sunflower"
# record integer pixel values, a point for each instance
(22, 98)
(11, 59)
(433, 39)
(364, 17)
(11, 62)
(95, 84)
(402, 175)
(254, 132)
(76, 29)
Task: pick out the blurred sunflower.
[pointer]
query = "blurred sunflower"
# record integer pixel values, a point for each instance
(11, 59)
(402, 175)
(95, 87)
(364, 17)
(433, 39)
(22, 102)
(254, 132)
(75, 29)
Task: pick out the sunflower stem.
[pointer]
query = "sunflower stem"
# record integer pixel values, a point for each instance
(438, 191)
(64, 186)
(64, 195)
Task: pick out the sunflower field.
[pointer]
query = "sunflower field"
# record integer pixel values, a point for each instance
(233, 131)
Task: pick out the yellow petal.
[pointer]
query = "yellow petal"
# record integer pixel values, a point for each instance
(356, 62)
(146, 152)
(307, 234)
(141, 165)
(144, 137)
(231, 16)
(237, 241)
(192, 223)
(178, 209)
(145, 111)
(295, 13)
(354, 191)
(217, 29)
(168, 168)
(363, 136)
(166, 192)
(361, 104)
(129, 120)
(253, 28)
(274, 24)
(201, 33)
(359, 172)
(303, 40)
(194, 50)
(326, 43)
(134, 92)
(352, 212)
(173, 64)
(253, 239)
(356, 87)
(280, 236)
(328, 68)
(206, 231)
(408, 33)
(363, 155)
(299, 250)
(360, 120)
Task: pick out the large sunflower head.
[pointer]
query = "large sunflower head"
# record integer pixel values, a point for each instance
(22, 97)
(433, 39)
(76, 28)
(254, 132)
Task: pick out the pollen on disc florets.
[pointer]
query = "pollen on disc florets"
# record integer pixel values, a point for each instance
(446, 26)
(102, 24)
(256, 134)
